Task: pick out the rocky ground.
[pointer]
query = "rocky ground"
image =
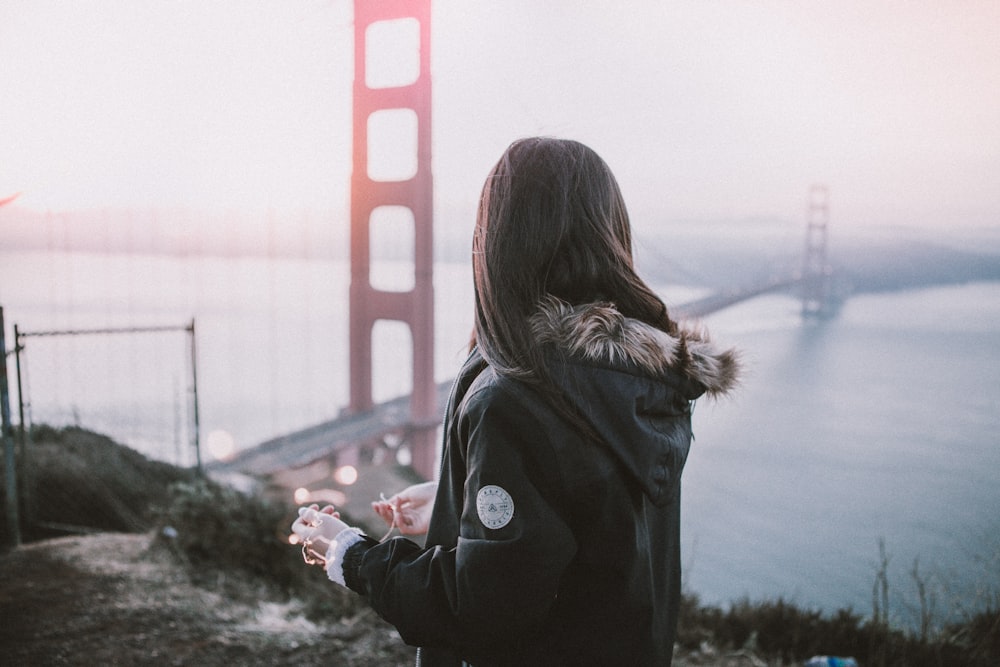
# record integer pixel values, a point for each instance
(113, 599)
(124, 599)
(124, 595)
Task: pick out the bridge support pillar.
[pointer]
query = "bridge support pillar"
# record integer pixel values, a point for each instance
(405, 98)
(815, 268)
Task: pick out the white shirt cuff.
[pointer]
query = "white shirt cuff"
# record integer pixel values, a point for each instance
(344, 540)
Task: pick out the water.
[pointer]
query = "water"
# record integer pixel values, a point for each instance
(879, 424)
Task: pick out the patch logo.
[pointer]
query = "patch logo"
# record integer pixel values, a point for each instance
(495, 506)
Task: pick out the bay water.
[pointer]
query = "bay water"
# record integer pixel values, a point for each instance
(879, 425)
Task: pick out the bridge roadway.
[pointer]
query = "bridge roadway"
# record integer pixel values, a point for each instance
(325, 440)
(346, 438)
(720, 300)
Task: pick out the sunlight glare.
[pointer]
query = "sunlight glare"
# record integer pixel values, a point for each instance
(346, 475)
(403, 456)
(221, 445)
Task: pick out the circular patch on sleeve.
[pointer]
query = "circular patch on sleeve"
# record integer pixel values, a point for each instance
(495, 506)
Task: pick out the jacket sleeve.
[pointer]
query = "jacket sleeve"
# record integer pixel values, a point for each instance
(496, 585)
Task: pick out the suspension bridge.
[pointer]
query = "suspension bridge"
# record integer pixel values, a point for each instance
(362, 437)
(367, 432)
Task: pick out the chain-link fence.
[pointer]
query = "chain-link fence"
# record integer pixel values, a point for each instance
(138, 385)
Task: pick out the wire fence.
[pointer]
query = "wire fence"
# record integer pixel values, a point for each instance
(135, 384)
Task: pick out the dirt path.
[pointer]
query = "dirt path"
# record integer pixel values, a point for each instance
(111, 600)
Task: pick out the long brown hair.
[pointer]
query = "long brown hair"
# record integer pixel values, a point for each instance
(551, 221)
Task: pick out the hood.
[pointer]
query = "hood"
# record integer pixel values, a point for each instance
(634, 384)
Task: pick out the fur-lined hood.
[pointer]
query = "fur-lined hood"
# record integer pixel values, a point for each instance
(599, 333)
(634, 385)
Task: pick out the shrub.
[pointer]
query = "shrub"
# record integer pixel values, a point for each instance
(779, 629)
(80, 481)
(223, 533)
(979, 637)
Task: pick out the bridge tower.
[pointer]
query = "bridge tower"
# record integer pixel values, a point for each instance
(381, 112)
(815, 268)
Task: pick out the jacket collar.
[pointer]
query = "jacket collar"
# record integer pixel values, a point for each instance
(599, 333)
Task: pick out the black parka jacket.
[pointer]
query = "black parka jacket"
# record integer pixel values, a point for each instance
(546, 547)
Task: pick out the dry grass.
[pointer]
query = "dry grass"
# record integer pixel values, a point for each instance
(228, 591)
(124, 599)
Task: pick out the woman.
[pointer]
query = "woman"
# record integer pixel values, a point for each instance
(554, 535)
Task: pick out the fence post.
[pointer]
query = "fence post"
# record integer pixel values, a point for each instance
(194, 391)
(10, 461)
(23, 441)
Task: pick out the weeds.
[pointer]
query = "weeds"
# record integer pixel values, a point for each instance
(223, 533)
(927, 600)
(779, 630)
(879, 640)
(226, 537)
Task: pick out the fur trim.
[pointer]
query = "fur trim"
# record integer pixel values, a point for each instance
(598, 332)
(344, 540)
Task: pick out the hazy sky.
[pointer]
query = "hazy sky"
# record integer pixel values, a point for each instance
(704, 109)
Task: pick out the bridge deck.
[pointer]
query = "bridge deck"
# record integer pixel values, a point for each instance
(719, 300)
(301, 448)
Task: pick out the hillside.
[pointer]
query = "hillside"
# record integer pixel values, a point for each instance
(188, 572)
(125, 599)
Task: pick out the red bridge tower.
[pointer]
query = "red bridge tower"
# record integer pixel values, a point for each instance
(381, 112)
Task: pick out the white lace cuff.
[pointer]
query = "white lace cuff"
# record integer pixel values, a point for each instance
(344, 540)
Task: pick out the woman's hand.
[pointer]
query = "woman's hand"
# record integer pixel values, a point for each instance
(316, 529)
(410, 509)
